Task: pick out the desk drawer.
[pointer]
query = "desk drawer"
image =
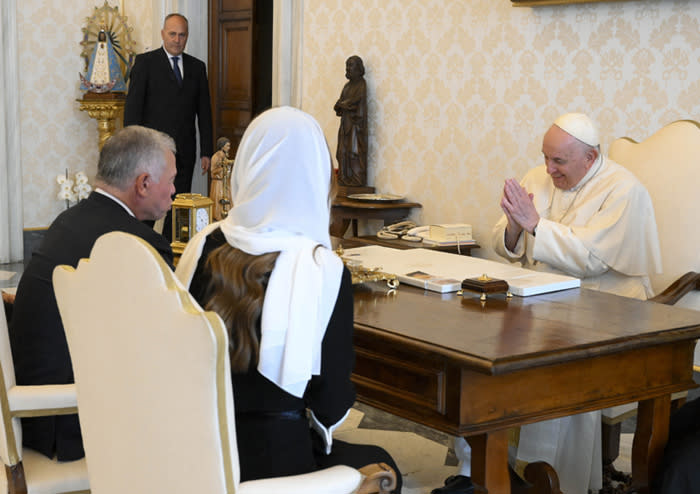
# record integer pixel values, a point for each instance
(413, 382)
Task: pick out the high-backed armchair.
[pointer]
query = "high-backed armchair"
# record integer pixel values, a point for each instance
(153, 382)
(668, 164)
(25, 470)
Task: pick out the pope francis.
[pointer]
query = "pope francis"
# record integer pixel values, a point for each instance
(583, 215)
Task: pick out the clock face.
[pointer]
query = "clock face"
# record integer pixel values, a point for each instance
(202, 219)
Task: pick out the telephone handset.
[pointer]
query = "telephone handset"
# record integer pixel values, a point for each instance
(398, 230)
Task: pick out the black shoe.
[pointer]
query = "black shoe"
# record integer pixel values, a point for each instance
(456, 484)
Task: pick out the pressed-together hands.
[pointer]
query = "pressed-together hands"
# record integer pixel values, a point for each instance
(519, 208)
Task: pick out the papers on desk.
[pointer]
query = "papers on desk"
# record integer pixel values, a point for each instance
(443, 272)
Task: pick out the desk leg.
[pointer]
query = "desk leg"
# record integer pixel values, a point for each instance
(649, 440)
(490, 461)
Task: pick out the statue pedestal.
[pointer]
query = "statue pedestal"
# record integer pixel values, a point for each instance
(105, 108)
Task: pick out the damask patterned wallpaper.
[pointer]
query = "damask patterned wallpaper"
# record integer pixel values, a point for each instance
(56, 135)
(461, 91)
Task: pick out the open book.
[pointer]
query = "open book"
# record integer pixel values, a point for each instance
(443, 272)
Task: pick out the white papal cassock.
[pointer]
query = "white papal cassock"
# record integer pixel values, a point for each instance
(602, 231)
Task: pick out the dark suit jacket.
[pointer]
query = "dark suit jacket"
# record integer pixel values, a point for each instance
(39, 347)
(156, 100)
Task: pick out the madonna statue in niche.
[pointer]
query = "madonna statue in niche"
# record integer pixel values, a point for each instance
(104, 73)
(351, 107)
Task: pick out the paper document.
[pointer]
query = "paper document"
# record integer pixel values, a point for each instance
(444, 272)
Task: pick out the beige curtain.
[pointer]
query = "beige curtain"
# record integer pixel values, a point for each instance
(11, 222)
(287, 44)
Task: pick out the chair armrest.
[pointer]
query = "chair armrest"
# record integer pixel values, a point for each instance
(42, 400)
(378, 477)
(339, 479)
(688, 282)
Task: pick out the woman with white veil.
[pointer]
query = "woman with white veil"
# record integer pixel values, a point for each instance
(269, 271)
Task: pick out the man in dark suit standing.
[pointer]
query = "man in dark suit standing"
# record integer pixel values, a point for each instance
(168, 90)
(135, 177)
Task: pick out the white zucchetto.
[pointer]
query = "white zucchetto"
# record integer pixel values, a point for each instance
(579, 126)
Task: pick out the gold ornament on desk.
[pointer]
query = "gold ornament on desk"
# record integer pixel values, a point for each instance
(361, 274)
(109, 53)
(484, 285)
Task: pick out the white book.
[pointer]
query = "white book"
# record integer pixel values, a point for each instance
(447, 243)
(538, 282)
(430, 282)
(445, 232)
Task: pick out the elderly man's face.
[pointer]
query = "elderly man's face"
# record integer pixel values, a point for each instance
(174, 34)
(567, 158)
(160, 194)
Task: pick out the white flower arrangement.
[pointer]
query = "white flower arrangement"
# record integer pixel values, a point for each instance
(73, 190)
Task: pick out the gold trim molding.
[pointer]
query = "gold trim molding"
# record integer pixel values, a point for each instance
(537, 3)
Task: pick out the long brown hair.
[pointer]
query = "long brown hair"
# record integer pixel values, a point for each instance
(237, 290)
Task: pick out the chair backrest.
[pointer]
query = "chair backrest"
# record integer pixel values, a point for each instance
(10, 429)
(668, 164)
(152, 374)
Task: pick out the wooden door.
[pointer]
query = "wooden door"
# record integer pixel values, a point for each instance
(240, 64)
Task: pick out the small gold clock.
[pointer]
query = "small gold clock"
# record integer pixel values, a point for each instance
(191, 214)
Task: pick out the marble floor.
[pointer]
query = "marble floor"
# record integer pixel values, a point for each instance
(425, 456)
(10, 275)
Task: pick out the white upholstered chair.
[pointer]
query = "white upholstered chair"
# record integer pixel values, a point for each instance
(26, 470)
(153, 382)
(668, 164)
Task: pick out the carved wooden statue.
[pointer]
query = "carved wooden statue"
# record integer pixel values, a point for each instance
(351, 107)
(220, 190)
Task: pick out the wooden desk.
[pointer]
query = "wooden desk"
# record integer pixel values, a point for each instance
(476, 370)
(405, 244)
(345, 211)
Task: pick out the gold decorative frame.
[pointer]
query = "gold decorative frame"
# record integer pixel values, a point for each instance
(537, 3)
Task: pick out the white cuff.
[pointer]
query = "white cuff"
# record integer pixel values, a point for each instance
(326, 433)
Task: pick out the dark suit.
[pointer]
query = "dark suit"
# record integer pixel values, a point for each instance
(39, 347)
(155, 100)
